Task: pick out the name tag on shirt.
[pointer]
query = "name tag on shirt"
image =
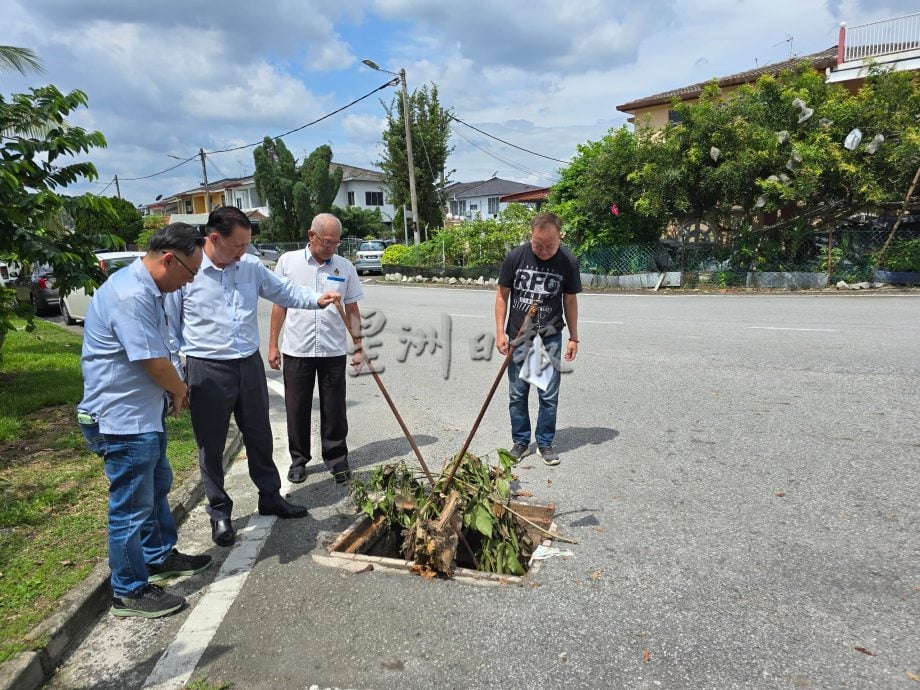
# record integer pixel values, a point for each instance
(338, 280)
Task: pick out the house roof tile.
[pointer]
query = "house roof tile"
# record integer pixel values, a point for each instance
(491, 187)
(822, 60)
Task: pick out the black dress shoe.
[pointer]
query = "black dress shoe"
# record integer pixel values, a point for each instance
(342, 476)
(222, 532)
(282, 508)
(297, 474)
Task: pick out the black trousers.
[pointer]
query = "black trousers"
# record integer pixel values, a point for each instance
(300, 374)
(217, 389)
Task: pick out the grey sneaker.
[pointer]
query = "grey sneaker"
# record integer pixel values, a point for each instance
(151, 602)
(550, 456)
(519, 450)
(176, 564)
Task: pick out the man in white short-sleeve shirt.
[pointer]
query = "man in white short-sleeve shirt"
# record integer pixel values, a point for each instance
(315, 346)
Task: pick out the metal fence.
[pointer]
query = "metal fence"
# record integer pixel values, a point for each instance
(847, 253)
(348, 248)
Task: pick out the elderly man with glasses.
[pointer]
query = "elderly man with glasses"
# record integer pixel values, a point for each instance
(314, 347)
(214, 321)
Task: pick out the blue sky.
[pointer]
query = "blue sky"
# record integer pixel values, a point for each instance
(170, 77)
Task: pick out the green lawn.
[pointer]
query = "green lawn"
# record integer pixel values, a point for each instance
(53, 493)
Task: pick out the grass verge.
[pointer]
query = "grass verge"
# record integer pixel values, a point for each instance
(53, 493)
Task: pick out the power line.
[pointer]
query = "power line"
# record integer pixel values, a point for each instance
(508, 143)
(392, 82)
(506, 161)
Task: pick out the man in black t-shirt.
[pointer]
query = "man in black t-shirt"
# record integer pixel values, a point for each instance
(545, 272)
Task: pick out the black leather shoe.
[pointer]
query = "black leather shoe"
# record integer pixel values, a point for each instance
(222, 532)
(282, 508)
(342, 476)
(297, 474)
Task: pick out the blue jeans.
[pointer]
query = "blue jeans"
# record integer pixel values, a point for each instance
(141, 525)
(519, 392)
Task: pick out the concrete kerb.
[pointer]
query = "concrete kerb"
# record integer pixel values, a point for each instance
(78, 609)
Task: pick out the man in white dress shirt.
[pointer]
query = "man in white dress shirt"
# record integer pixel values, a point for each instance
(314, 347)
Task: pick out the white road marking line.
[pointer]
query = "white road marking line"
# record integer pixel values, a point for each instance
(470, 316)
(276, 385)
(618, 323)
(784, 328)
(175, 667)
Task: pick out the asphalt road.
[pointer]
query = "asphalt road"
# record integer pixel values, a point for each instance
(740, 473)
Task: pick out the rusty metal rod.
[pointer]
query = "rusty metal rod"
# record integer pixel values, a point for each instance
(402, 425)
(386, 396)
(531, 312)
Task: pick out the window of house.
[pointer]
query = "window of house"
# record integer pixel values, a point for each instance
(474, 207)
(239, 202)
(462, 207)
(673, 116)
(188, 206)
(351, 198)
(373, 198)
(493, 204)
(453, 207)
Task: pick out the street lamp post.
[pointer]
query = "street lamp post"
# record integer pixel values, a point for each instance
(411, 160)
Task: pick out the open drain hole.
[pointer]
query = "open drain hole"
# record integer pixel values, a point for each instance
(375, 542)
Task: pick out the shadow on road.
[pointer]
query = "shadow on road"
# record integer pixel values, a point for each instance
(574, 437)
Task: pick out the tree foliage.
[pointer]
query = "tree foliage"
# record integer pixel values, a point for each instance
(480, 242)
(361, 222)
(776, 145)
(430, 126)
(122, 220)
(294, 195)
(33, 171)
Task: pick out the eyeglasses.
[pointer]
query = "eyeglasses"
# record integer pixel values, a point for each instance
(329, 243)
(184, 265)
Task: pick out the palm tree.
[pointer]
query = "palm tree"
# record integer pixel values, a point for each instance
(19, 59)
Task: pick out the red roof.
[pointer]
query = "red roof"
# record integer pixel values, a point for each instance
(530, 195)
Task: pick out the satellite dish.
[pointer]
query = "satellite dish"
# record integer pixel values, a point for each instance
(159, 196)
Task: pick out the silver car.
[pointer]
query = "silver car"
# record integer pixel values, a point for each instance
(368, 256)
(38, 289)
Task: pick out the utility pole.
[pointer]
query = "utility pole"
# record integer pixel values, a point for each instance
(117, 187)
(407, 116)
(207, 190)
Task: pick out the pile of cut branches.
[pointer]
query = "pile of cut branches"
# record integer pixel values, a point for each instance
(476, 512)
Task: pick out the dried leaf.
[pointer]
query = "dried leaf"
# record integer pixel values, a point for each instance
(366, 569)
(599, 529)
(646, 656)
(864, 651)
(913, 676)
(523, 494)
(596, 575)
(66, 564)
(780, 493)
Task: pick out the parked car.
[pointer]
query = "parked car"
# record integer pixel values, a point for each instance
(5, 277)
(37, 288)
(74, 305)
(368, 256)
(266, 261)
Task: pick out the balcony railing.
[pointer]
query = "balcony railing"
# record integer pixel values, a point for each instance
(880, 38)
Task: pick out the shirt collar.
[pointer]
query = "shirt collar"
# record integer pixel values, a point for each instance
(143, 274)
